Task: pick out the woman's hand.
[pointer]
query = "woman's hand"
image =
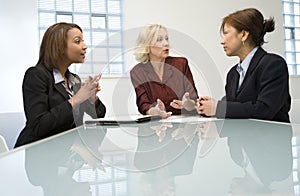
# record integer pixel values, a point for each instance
(206, 106)
(98, 88)
(89, 89)
(159, 109)
(186, 103)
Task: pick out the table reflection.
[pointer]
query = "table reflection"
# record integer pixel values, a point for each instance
(164, 151)
(263, 150)
(52, 164)
(165, 159)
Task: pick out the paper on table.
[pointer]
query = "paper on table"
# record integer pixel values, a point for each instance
(188, 119)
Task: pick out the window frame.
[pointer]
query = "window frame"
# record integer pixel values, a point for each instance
(104, 56)
(291, 26)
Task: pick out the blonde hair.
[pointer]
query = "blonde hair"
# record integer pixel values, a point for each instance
(143, 42)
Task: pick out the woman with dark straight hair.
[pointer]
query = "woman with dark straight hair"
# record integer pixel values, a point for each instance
(258, 85)
(54, 99)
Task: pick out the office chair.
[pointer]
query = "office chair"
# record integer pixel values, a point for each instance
(3, 145)
(11, 123)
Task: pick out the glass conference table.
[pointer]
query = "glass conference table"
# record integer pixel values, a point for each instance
(177, 156)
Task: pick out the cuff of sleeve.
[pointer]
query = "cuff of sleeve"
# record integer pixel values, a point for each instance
(221, 109)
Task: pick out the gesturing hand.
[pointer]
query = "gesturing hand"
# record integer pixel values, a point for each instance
(186, 103)
(159, 109)
(89, 89)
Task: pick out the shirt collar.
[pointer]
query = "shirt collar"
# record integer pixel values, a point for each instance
(246, 62)
(58, 78)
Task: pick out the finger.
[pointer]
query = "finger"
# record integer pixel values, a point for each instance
(178, 102)
(159, 102)
(186, 95)
(176, 105)
(167, 114)
(88, 80)
(162, 114)
(199, 110)
(97, 77)
(206, 98)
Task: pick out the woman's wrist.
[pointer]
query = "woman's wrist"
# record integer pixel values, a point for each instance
(71, 102)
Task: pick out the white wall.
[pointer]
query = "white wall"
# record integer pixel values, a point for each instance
(19, 49)
(194, 32)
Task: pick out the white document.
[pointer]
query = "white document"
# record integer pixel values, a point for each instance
(188, 119)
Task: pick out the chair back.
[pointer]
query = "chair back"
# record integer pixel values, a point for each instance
(3, 145)
(11, 124)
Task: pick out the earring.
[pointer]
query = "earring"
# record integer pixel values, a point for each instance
(243, 42)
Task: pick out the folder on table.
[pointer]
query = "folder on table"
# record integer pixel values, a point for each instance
(122, 120)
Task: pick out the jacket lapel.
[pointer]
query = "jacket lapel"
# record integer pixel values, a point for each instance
(59, 86)
(235, 82)
(151, 75)
(61, 89)
(168, 71)
(253, 65)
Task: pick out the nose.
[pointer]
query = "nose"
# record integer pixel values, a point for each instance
(222, 42)
(84, 46)
(166, 43)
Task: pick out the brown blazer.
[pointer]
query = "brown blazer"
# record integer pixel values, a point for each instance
(177, 79)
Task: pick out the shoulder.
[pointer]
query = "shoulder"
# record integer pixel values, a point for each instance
(140, 67)
(181, 60)
(273, 62)
(273, 57)
(269, 58)
(37, 70)
(38, 73)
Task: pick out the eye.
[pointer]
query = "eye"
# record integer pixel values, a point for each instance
(77, 41)
(159, 39)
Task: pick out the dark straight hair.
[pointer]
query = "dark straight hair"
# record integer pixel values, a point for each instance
(250, 20)
(54, 44)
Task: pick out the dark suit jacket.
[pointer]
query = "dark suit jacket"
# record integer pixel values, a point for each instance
(47, 109)
(264, 93)
(177, 79)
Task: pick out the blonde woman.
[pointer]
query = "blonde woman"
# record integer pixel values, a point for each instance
(163, 84)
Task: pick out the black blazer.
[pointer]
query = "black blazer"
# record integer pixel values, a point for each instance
(47, 109)
(264, 93)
